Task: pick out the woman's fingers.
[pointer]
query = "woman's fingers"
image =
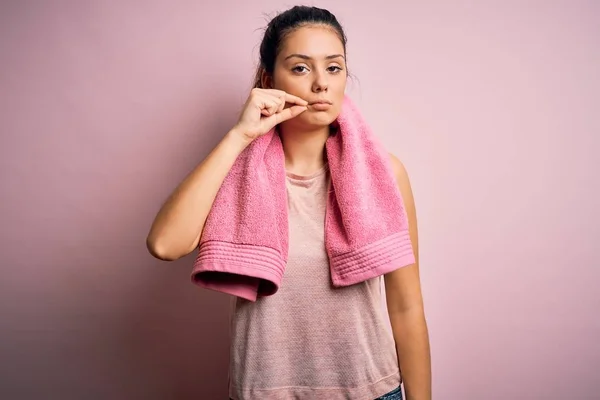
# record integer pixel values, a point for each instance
(286, 114)
(269, 105)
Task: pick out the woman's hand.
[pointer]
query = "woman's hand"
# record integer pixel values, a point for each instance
(264, 109)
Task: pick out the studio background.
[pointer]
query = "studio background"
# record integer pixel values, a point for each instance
(105, 106)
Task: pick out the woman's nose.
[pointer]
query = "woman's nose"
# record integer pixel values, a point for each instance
(320, 83)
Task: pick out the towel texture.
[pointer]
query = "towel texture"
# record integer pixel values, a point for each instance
(244, 245)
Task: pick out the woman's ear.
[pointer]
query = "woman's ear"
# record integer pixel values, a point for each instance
(266, 80)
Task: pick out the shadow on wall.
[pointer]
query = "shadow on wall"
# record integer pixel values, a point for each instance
(97, 316)
(175, 341)
(128, 326)
(175, 337)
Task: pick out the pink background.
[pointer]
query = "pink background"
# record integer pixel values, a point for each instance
(105, 106)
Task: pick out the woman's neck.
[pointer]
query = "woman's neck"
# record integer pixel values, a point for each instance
(304, 149)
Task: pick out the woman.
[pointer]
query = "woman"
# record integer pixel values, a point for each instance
(333, 344)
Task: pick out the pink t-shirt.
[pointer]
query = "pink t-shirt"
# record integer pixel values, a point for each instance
(311, 340)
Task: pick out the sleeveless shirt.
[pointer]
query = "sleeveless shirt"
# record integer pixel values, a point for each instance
(311, 340)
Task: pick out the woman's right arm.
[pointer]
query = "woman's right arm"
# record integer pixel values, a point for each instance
(178, 226)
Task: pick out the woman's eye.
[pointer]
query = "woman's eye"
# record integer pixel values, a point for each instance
(301, 69)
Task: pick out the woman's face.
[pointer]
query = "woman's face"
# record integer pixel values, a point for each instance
(312, 66)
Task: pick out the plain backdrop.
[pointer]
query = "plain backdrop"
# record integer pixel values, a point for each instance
(493, 106)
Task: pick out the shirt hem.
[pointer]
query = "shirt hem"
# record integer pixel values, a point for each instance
(369, 391)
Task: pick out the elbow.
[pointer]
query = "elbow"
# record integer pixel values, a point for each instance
(159, 250)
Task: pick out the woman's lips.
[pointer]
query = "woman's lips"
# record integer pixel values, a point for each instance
(320, 105)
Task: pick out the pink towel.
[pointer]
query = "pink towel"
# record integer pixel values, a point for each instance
(244, 246)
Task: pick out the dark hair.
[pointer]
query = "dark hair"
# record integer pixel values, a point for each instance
(284, 24)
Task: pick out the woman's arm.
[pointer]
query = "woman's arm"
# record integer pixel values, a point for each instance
(178, 225)
(405, 307)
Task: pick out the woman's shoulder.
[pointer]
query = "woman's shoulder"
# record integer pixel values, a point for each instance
(398, 168)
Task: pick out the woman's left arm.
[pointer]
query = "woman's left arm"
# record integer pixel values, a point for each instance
(405, 306)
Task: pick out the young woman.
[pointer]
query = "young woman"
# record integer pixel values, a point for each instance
(335, 342)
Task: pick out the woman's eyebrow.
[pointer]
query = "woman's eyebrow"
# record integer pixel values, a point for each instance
(305, 57)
